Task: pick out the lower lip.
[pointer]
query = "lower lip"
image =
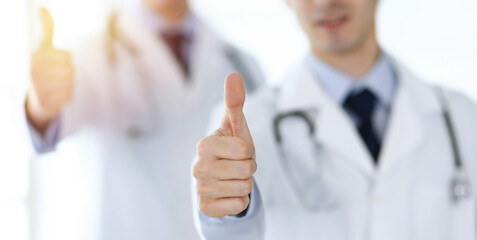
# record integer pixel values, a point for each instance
(334, 25)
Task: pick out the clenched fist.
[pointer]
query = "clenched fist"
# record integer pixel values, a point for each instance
(226, 158)
(51, 78)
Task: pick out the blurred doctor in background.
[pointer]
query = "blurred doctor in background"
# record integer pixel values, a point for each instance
(142, 91)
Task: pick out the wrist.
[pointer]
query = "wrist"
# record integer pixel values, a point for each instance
(35, 115)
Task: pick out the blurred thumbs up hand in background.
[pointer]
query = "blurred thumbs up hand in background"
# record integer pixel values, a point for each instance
(52, 82)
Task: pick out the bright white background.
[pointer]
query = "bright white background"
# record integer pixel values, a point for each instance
(437, 39)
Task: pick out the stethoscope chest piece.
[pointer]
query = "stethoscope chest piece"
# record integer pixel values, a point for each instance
(460, 188)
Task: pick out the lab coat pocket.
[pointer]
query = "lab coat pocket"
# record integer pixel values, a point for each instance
(431, 213)
(436, 216)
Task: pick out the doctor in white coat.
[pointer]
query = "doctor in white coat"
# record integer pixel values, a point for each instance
(351, 146)
(140, 95)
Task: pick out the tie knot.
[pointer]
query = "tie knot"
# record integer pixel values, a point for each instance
(361, 103)
(173, 36)
(174, 40)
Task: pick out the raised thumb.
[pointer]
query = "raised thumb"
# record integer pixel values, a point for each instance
(47, 26)
(234, 99)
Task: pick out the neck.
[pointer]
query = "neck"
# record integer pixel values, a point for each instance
(173, 13)
(355, 62)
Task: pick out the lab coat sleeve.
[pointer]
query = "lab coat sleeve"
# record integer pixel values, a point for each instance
(48, 141)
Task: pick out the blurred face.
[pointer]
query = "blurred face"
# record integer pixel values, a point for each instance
(336, 26)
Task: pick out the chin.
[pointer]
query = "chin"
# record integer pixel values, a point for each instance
(337, 44)
(334, 47)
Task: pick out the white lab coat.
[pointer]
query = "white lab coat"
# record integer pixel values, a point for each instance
(406, 197)
(139, 120)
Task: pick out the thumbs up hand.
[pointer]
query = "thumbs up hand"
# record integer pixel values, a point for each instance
(226, 158)
(51, 83)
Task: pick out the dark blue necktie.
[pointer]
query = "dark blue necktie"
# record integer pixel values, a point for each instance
(362, 105)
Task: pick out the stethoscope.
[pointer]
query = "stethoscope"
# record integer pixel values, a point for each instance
(459, 186)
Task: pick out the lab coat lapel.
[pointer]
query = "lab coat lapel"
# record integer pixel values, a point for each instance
(157, 62)
(208, 66)
(149, 81)
(406, 129)
(334, 129)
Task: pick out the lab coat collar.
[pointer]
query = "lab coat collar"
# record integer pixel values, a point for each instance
(413, 103)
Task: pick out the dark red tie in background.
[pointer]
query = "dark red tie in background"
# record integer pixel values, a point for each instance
(175, 41)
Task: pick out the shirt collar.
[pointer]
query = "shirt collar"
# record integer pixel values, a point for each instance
(380, 79)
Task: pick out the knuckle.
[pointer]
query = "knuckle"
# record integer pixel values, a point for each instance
(238, 205)
(198, 171)
(195, 171)
(245, 169)
(242, 149)
(249, 186)
(201, 189)
(243, 188)
(203, 206)
(208, 208)
(253, 164)
(202, 147)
